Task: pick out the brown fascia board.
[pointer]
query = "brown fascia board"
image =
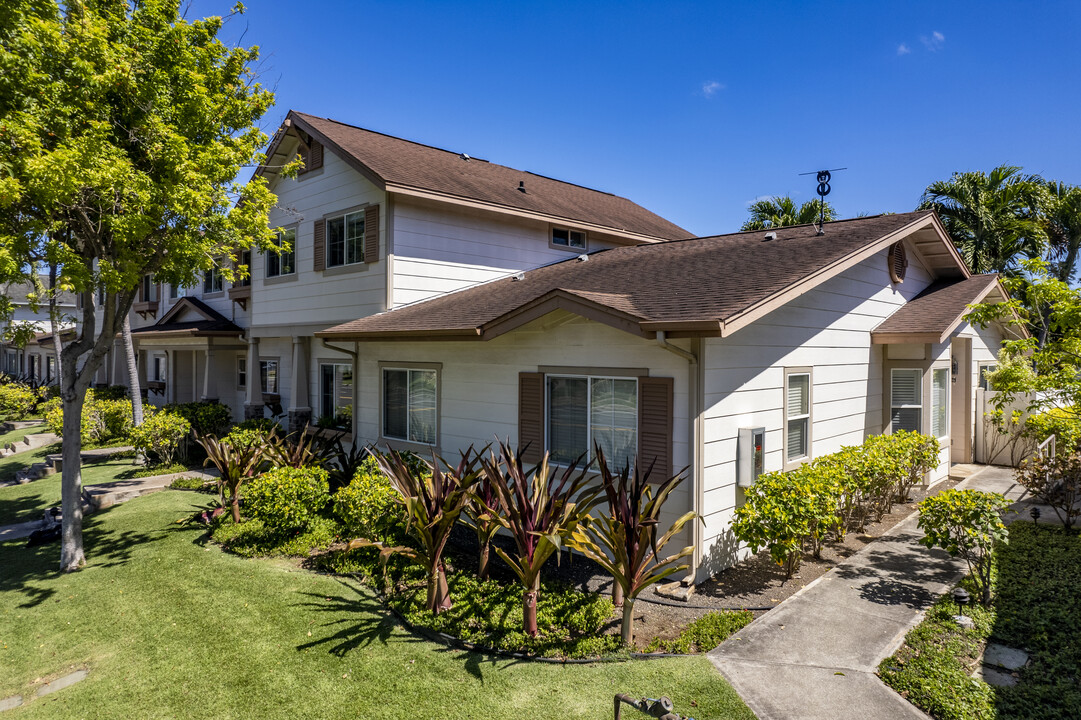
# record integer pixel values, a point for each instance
(191, 332)
(763, 307)
(411, 335)
(891, 338)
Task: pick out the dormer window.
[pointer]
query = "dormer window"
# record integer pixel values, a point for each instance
(567, 239)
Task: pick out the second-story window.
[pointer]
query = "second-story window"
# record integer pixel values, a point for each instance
(345, 239)
(212, 281)
(568, 239)
(284, 262)
(244, 265)
(148, 289)
(176, 291)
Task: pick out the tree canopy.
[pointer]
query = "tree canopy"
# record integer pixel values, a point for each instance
(123, 127)
(781, 211)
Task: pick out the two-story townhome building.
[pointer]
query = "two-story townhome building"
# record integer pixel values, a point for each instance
(36, 360)
(372, 222)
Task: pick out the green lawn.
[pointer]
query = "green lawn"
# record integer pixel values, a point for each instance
(1036, 608)
(172, 627)
(17, 435)
(26, 502)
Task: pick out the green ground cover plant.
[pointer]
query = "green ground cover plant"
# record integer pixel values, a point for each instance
(295, 643)
(1035, 581)
(705, 633)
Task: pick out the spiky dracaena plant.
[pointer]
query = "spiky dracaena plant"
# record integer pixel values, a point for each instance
(483, 513)
(539, 512)
(625, 541)
(236, 462)
(433, 500)
(303, 449)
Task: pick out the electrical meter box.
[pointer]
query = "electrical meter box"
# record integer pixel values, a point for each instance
(750, 455)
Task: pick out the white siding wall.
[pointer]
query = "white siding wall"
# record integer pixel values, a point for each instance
(827, 329)
(440, 248)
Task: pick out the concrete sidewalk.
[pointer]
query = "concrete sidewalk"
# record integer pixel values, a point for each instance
(816, 654)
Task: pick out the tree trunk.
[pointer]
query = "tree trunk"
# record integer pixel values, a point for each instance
(617, 593)
(134, 389)
(627, 631)
(482, 566)
(529, 608)
(234, 503)
(71, 548)
(438, 590)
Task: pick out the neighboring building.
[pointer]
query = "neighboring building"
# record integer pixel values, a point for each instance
(679, 351)
(36, 361)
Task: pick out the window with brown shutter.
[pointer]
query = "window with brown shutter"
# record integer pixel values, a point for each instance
(371, 234)
(316, 155)
(320, 253)
(655, 411)
(531, 416)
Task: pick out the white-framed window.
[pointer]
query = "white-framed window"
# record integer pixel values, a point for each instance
(268, 376)
(283, 262)
(241, 372)
(336, 392)
(345, 239)
(243, 264)
(213, 281)
(148, 289)
(797, 411)
(50, 368)
(568, 239)
(159, 369)
(586, 409)
(176, 292)
(985, 370)
(940, 402)
(906, 399)
(410, 404)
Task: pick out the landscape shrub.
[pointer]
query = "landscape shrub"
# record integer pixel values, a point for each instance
(162, 433)
(783, 511)
(236, 462)
(264, 425)
(103, 421)
(966, 524)
(1056, 482)
(1063, 423)
(368, 506)
(286, 498)
(17, 400)
(110, 392)
(255, 538)
(206, 418)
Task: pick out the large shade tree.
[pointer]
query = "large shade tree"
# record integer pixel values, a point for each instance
(993, 218)
(782, 211)
(123, 127)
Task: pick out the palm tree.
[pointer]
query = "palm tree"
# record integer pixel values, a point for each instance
(1062, 216)
(778, 212)
(992, 218)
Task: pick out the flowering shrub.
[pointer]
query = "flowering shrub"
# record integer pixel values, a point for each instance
(16, 400)
(103, 421)
(367, 507)
(288, 498)
(161, 434)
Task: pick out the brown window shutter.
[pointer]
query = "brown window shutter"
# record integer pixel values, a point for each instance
(371, 234)
(316, 155)
(531, 417)
(320, 252)
(655, 426)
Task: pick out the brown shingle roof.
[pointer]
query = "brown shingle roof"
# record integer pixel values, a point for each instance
(691, 285)
(936, 311)
(394, 162)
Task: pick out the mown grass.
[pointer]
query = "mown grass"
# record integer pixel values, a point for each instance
(1036, 608)
(171, 626)
(19, 503)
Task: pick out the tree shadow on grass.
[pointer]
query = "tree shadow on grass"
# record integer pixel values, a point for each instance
(357, 620)
(30, 572)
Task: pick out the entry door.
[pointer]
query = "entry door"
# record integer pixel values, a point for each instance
(961, 409)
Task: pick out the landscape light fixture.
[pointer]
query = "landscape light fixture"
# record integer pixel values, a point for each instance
(961, 597)
(1035, 513)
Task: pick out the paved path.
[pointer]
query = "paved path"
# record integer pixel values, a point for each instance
(815, 655)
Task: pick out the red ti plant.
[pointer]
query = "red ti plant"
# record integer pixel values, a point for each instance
(432, 501)
(236, 460)
(483, 511)
(625, 541)
(539, 511)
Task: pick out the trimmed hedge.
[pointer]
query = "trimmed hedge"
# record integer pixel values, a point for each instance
(287, 498)
(206, 418)
(367, 507)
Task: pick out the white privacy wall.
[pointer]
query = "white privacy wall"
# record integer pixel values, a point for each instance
(479, 380)
(442, 248)
(827, 329)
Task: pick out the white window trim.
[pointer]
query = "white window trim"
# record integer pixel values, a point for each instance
(589, 405)
(210, 275)
(785, 418)
(914, 406)
(568, 247)
(277, 375)
(405, 443)
(241, 368)
(345, 254)
(323, 363)
(278, 237)
(946, 400)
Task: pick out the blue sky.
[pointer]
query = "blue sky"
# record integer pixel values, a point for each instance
(694, 109)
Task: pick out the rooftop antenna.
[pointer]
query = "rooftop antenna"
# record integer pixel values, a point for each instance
(823, 191)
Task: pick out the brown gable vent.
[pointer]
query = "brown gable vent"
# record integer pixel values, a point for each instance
(898, 261)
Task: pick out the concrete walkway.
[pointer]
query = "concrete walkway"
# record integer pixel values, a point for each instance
(815, 655)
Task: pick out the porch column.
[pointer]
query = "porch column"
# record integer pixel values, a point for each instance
(210, 384)
(253, 396)
(170, 376)
(300, 411)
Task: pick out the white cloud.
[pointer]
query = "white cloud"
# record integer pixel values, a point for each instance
(903, 49)
(711, 87)
(934, 42)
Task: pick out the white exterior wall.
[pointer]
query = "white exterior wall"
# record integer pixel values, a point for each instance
(478, 383)
(440, 248)
(827, 329)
